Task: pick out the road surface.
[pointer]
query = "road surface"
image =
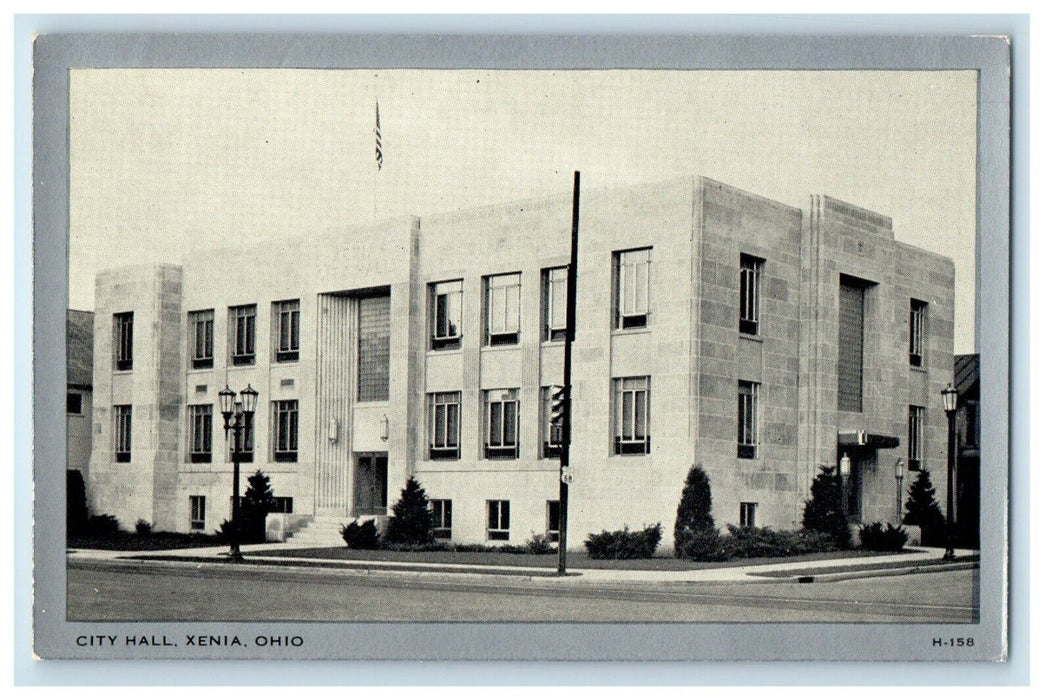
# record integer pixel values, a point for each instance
(165, 592)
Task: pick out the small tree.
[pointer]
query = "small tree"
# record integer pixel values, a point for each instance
(695, 509)
(411, 522)
(922, 509)
(824, 511)
(257, 502)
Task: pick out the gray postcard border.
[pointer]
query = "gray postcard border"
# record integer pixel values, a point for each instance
(55, 53)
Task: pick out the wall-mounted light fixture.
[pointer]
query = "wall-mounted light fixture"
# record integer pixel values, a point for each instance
(384, 428)
(333, 430)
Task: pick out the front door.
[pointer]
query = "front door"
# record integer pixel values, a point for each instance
(370, 484)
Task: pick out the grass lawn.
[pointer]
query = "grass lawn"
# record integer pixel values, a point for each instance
(574, 560)
(134, 542)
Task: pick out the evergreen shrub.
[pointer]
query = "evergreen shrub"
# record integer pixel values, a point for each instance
(411, 522)
(823, 512)
(876, 538)
(694, 514)
(922, 509)
(624, 544)
(361, 536)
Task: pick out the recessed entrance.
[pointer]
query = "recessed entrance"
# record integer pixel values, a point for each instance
(370, 483)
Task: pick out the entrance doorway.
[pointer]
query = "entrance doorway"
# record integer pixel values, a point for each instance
(370, 483)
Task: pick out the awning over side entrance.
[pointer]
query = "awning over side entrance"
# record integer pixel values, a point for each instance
(863, 438)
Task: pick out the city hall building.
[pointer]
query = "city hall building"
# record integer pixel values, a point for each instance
(715, 328)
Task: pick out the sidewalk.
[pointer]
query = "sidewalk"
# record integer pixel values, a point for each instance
(922, 559)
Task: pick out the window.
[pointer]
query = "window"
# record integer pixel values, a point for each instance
(916, 438)
(242, 334)
(851, 343)
(74, 403)
(374, 348)
(499, 520)
(631, 429)
(197, 512)
(750, 268)
(442, 518)
(748, 514)
(445, 425)
(632, 288)
(970, 428)
(123, 327)
(122, 433)
(199, 431)
(285, 429)
(282, 504)
(501, 418)
(552, 521)
(551, 432)
(747, 403)
(446, 310)
(286, 330)
(202, 334)
(917, 331)
(502, 294)
(244, 441)
(555, 284)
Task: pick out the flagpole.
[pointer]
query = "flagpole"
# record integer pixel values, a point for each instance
(379, 164)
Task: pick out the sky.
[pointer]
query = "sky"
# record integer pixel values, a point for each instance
(167, 161)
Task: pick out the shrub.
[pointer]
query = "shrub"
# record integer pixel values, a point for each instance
(708, 545)
(433, 546)
(539, 544)
(361, 536)
(624, 544)
(695, 509)
(411, 522)
(226, 531)
(257, 502)
(874, 537)
(922, 509)
(824, 511)
(104, 525)
(143, 528)
(76, 503)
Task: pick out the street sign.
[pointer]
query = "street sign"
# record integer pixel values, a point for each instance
(568, 475)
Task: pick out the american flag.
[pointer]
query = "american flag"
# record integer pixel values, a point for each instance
(379, 140)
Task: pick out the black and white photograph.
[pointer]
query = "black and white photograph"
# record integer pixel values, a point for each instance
(483, 348)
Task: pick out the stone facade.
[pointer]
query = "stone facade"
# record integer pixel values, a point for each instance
(691, 352)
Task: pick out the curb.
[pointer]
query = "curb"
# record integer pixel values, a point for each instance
(876, 573)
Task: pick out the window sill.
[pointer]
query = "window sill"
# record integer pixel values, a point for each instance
(753, 338)
(631, 331)
(552, 343)
(444, 351)
(123, 371)
(199, 370)
(921, 369)
(500, 348)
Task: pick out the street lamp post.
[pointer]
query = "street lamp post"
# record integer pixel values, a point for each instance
(949, 395)
(899, 474)
(844, 483)
(237, 417)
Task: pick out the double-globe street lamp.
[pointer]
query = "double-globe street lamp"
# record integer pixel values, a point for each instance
(237, 419)
(949, 396)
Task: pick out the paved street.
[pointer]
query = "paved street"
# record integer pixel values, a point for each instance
(108, 591)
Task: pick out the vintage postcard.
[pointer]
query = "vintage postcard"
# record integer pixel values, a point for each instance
(678, 357)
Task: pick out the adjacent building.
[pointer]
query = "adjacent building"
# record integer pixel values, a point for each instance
(715, 327)
(80, 345)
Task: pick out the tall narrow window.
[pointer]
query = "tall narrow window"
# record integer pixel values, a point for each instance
(631, 416)
(499, 523)
(750, 270)
(242, 334)
(74, 403)
(917, 332)
(122, 433)
(552, 520)
(199, 432)
(501, 416)
(197, 512)
(202, 334)
(286, 330)
(632, 288)
(374, 348)
(441, 518)
(243, 442)
(123, 328)
(502, 309)
(285, 429)
(748, 514)
(851, 342)
(971, 429)
(747, 403)
(550, 431)
(555, 285)
(916, 415)
(444, 425)
(446, 313)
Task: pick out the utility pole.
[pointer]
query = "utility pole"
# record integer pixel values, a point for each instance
(565, 475)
